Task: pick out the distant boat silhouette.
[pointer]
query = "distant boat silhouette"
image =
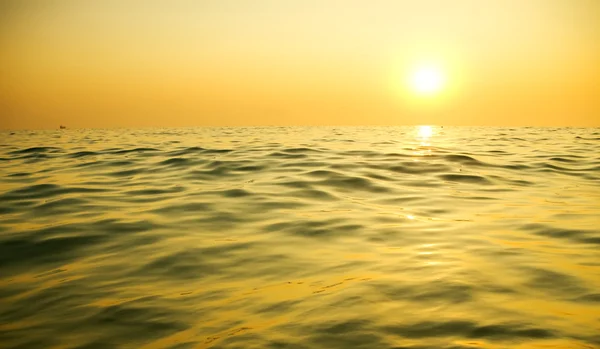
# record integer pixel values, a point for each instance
(63, 127)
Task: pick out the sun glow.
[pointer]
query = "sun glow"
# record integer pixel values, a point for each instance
(427, 80)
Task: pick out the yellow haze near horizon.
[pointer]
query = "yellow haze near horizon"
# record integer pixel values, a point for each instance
(211, 63)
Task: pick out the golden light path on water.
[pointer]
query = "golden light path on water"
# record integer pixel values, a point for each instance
(425, 132)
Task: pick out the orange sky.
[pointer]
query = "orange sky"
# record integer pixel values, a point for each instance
(113, 63)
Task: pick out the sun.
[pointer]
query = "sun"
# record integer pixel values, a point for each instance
(427, 80)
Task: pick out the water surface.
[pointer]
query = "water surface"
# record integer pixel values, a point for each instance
(383, 237)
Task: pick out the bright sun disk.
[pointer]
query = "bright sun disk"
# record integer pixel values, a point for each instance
(427, 80)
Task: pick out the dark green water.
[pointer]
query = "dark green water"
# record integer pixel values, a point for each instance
(387, 237)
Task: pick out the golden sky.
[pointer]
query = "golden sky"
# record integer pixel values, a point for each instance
(120, 63)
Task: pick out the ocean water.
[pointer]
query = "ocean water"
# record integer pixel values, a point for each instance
(300, 237)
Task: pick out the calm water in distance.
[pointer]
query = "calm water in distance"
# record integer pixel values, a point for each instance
(300, 238)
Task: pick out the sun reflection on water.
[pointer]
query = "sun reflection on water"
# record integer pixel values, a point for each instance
(425, 132)
(423, 137)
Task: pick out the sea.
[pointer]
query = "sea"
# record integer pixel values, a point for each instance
(415, 237)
